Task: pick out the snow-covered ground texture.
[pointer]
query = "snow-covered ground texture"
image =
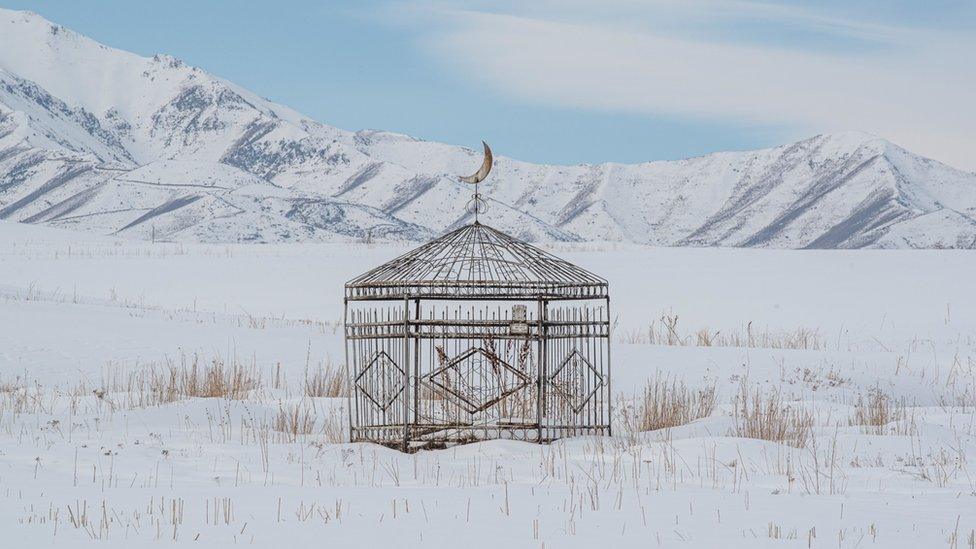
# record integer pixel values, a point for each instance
(108, 142)
(863, 362)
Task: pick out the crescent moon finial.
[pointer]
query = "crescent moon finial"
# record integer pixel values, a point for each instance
(482, 173)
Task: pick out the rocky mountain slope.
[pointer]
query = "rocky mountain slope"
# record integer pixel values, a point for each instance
(103, 140)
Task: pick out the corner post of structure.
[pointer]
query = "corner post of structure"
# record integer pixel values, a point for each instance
(609, 370)
(406, 373)
(416, 360)
(541, 368)
(350, 401)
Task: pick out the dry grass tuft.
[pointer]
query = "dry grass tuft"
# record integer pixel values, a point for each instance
(335, 427)
(962, 400)
(294, 421)
(20, 397)
(879, 411)
(769, 417)
(667, 332)
(171, 382)
(326, 381)
(666, 403)
(214, 380)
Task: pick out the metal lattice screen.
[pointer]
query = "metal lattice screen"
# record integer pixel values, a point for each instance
(428, 371)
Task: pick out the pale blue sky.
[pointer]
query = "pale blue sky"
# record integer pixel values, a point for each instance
(577, 81)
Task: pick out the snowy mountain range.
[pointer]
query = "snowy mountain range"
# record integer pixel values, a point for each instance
(101, 140)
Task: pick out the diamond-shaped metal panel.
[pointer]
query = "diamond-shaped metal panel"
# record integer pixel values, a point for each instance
(476, 379)
(576, 381)
(381, 381)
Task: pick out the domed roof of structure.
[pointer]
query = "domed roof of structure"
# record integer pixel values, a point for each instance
(477, 262)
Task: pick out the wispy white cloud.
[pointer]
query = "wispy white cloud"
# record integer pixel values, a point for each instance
(915, 88)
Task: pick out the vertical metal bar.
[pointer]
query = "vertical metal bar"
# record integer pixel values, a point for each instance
(358, 357)
(346, 367)
(406, 372)
(416, 363)
(609, 371)
(541, 368)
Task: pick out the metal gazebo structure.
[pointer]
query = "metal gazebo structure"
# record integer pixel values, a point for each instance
(477, 335)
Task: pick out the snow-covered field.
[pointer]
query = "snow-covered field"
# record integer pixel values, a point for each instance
(88, 450)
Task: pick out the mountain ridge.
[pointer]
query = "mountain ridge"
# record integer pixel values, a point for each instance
(102, 140)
